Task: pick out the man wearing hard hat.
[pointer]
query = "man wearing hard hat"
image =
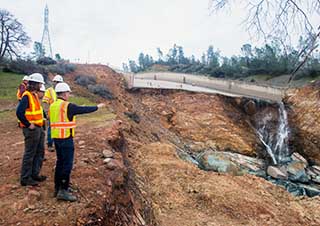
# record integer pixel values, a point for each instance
(62, 118)
(50, 97)
(30, 114)
(22, 87)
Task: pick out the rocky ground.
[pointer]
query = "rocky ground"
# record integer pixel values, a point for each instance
(131, 174)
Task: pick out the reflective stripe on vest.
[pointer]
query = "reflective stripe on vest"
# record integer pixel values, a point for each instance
(61, 126)
(50, 96)
(34, 113)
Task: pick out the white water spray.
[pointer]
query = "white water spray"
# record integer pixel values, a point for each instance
(276, 144)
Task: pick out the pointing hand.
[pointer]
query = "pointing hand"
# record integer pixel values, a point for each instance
(101, 105)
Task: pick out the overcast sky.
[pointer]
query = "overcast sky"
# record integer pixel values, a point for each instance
(112, 31)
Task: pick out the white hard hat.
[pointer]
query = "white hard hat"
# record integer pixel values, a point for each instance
(42, 88)
(26, 77)
(36, 77)
(57, 78)
(62, 87)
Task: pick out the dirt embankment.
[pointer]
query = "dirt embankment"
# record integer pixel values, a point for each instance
(304, 115)
(148, 184)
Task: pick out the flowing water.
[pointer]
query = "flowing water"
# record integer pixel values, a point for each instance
(276, 138)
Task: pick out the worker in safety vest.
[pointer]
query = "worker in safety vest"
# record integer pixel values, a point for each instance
(50, 97)
(62, 118)
(30, 114)
(22, 87)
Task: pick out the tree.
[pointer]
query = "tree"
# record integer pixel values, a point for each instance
(12, 35)
(133, 66)
(125, 67)
(58, 57)
(280, 19)
(160, 55)
(272, 18)
(212, 57)
(141, 61)
(38, 50)
(172, 55)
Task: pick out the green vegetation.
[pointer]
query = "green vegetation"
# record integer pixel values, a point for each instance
(271, 60)
(95, 117)
(81, 101)
(9, 83)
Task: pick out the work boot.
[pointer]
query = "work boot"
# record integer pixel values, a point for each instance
(29, 182)
(39, 178)
(70, 190)
(66, 196)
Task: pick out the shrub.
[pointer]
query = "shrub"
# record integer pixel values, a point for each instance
(61, 68)
(100, 90)
(26, 67)
(46, 61)
(85, 80)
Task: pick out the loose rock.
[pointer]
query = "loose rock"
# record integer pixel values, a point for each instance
(107, 153)
(277, 173)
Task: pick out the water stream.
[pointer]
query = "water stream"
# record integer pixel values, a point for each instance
(275, 137)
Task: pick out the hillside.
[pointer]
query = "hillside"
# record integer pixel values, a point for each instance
(146, 182)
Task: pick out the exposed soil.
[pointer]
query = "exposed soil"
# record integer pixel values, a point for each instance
(147, 183)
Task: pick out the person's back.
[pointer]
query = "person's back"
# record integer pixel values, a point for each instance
(63, 123)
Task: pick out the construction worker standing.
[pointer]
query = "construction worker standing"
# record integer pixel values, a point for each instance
(22, 87)
(50, 97)
(30, 114)
(62, 118)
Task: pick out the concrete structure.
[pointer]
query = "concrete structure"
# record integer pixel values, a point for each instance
(198, 83)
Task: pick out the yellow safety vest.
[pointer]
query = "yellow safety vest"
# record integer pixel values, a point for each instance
(50, 96)
(34, 113)
(61, 126)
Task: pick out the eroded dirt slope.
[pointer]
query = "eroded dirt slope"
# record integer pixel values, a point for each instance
(148, 172)
(305, 119)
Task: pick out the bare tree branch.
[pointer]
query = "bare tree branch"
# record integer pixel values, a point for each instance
(279, 19)
(12, 35)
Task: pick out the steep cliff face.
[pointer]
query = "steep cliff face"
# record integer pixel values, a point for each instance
(205, 121)
(304, 118)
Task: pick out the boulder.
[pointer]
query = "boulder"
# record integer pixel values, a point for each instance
(277, 173)
(250, 107)
(315, 169)
(316, 179)
(296, 171)
(310, 190)
(107, 160)
(250, 163)
(299, 158)
(311, 173)
(218, 162)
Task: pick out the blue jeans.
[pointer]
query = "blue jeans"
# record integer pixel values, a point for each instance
(64, 163)
(49, 139)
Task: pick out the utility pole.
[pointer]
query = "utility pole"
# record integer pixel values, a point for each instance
(45, 41)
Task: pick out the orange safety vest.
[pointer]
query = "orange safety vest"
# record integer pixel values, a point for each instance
(61, 126)
(34, 113)
(19, 94)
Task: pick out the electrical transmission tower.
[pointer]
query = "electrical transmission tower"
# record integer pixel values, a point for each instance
(45, 41)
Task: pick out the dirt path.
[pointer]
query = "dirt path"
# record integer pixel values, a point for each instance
(36, 205)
